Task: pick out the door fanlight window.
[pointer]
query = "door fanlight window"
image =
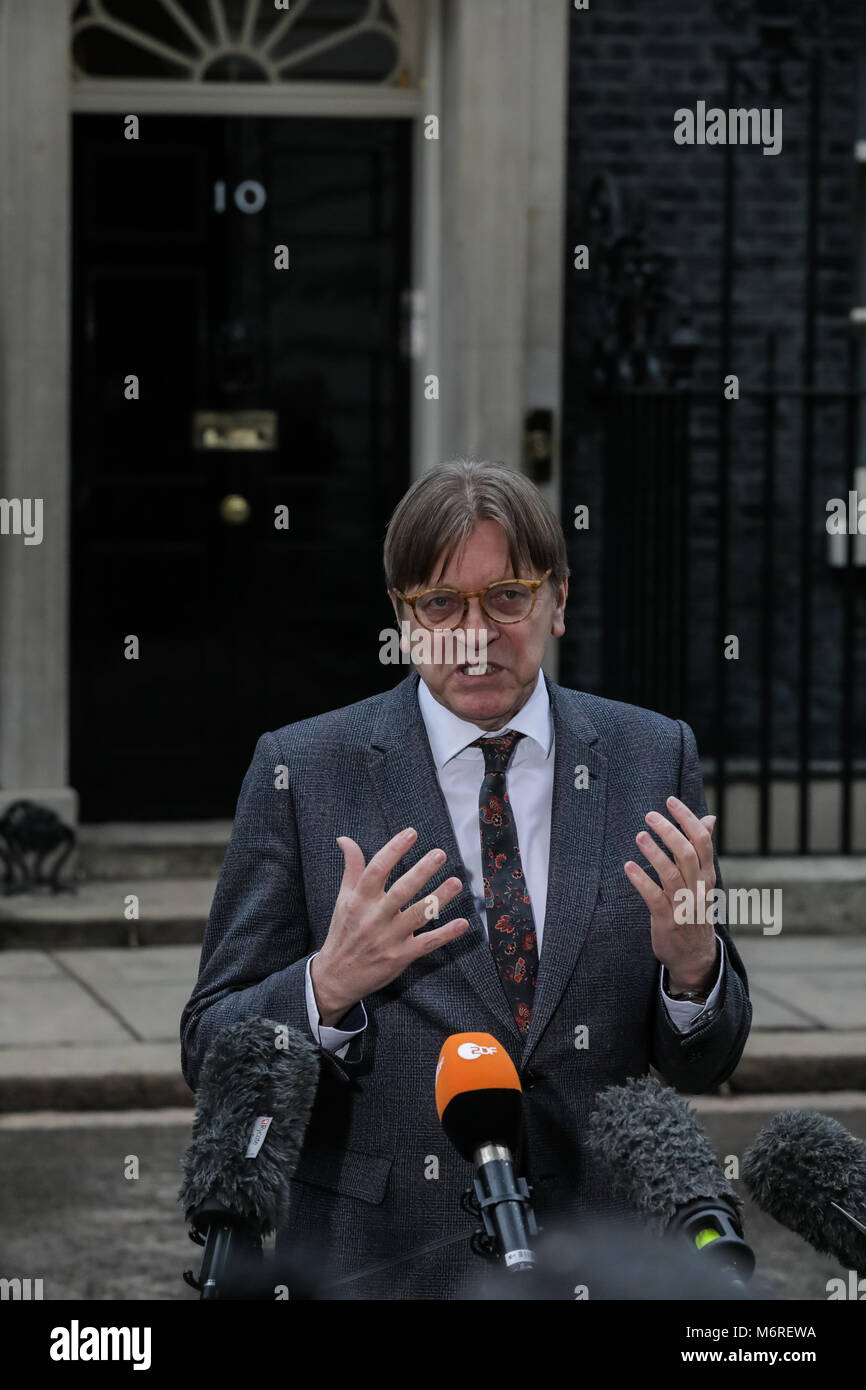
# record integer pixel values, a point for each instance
(245, 40)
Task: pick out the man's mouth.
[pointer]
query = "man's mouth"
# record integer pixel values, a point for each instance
(478, 670)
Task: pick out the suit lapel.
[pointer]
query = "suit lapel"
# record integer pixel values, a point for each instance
(404, 774)
(576, 840)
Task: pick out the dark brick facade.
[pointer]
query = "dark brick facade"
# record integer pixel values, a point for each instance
(632, 64)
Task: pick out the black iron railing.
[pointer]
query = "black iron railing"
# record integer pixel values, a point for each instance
(725, 601)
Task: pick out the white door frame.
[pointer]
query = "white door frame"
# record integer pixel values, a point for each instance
(347, 99)
(487, 265)
(37, 95)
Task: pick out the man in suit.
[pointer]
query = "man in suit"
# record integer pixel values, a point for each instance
(456, 855)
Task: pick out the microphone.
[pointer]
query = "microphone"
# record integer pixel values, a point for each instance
(478, 1101)
(808, 1172)
(660, 1160)
(253, 1103)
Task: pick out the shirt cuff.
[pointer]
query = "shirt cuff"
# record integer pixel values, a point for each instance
(334, 1040)
(682, 1013)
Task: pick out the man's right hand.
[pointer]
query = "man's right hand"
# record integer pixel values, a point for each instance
(371, 940)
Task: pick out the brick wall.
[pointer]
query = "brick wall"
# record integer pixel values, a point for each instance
(632, 64)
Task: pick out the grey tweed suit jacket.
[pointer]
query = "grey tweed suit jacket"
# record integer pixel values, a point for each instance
(377, 1177)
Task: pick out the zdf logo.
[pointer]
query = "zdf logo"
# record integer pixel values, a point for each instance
(469, 1051)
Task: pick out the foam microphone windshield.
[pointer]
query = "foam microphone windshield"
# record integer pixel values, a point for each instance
(657, 1155)
(801, 1169)
(253, 1102)
(478, 1095)
(660, 1160)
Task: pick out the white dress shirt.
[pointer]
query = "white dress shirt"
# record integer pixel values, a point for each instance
(460, 770)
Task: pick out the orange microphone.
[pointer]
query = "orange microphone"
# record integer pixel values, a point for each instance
(478, 1099)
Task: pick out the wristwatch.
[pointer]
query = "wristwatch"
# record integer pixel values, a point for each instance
(689, 997)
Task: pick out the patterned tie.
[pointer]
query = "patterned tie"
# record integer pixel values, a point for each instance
(510, 924)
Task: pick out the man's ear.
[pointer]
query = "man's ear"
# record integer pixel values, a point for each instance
(557, 622)
(396, 604)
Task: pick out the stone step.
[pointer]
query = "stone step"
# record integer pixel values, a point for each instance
(820, 894)
(80, 1076)
(157, 849)
(173, 869)
(83, 1077)
(172, 912)
(818, 1060)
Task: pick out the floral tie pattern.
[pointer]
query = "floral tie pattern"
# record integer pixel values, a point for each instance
(510, 924)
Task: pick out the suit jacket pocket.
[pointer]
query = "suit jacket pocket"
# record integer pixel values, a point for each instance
(351, 1172)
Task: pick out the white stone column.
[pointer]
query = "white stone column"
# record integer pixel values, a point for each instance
(34, 390)
(503, 122)
(503, 201)
(485, 186)
(547, 77)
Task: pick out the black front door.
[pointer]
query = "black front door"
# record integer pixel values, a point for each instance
(240, 434)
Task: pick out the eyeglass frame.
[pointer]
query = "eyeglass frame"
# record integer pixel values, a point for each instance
(466, 594)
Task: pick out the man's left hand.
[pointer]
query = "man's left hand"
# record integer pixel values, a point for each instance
(687, 949)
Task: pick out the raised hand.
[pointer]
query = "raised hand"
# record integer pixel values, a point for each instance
(371, 938)
(687, 949)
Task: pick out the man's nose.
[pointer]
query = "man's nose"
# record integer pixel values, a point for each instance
(476, 618)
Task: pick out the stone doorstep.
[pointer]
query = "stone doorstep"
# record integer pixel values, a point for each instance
(821, 896)
(181, 849)
(23, 935)
(147, 1075)
(172, 912)
(85, 1076)
(781, 1060)
(144, 1091)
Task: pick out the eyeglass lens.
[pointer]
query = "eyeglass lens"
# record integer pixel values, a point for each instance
(505, 603)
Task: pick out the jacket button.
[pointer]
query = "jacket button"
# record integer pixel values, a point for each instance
(530, 1079)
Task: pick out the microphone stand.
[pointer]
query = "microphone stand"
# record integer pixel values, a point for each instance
(505, 1208)
(497, 1188)
(228, 1244)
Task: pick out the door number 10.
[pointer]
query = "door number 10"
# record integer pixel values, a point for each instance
(249, 196)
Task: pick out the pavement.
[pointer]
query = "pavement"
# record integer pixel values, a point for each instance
(96, 1027)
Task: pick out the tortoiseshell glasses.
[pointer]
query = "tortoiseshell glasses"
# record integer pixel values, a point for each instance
(506, 601)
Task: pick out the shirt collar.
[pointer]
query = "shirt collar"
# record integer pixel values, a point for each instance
(449, 735)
